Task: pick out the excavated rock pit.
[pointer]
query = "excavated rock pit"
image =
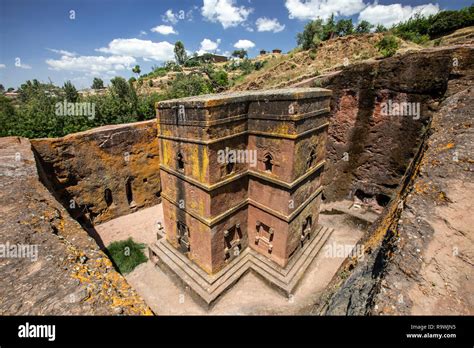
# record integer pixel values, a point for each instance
(394, 168)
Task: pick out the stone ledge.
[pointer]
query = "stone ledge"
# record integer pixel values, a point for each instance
(207, 288)
(210, 100)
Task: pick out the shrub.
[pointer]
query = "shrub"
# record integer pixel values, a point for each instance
(259, 65)
(126, 255)
(188, 85)
(192, 62)
(388, 46)
(420, 29)
(447, 21)
(380, 29)
(172, 66)
(219, 79)
(246, 66)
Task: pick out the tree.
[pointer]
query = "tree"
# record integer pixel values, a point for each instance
(136, 70)
(364, 27)
(380, 29)
(344, 27)
(239, 54)
(70, 92)
(180, 53)
(97, 83)
(312, 35)
(2, 88)
(447, 21)
(120, 87)
(329, 28)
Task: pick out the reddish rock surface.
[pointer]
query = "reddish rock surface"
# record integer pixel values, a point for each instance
(67, 274)
(121, 158)
(419, 253)
(368, 151)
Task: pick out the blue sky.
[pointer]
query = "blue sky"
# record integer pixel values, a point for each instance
(79, 39)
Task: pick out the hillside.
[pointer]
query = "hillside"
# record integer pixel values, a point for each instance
(294, 68)
(298, 67)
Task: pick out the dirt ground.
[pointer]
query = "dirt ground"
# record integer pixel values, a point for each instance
(250, 295)
(142, 226)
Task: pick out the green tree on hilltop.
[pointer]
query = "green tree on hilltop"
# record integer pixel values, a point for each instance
(363, 27)
(180, 53)
(136, 70)
(97, 83)
(70, 92)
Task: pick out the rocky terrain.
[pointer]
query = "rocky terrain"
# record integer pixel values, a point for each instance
(332, 55)
(53, 266)
(120, 162)
(419, 252)
(415, 169)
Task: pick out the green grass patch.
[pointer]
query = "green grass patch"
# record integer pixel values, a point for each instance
(126, 255)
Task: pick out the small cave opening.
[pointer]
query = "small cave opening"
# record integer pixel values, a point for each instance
(382, 199)
(374, 201)
(108, 197)
(129, 191)
(362, 196)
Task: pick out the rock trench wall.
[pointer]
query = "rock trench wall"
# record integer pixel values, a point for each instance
(369, 151)
(418, 254)
(53, 266)
(105, 172)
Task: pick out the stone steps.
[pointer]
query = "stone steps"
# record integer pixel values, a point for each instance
(287, 279)
(209, 287)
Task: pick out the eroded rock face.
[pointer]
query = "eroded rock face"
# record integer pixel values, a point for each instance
(369, 151)
(431, 270)
(105, 172)
(419, 252)
(48, 264)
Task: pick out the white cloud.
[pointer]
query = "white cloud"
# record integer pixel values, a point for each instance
(312, 9)
(159, 51)
(143, 33)
(164, 29)
(62, 52)
(91, 64)
(392, 14)
(170, 17)
(209, 46)
(244, 44)
(225, 12)
(267, 24)
(23, 66)
(2, 66)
